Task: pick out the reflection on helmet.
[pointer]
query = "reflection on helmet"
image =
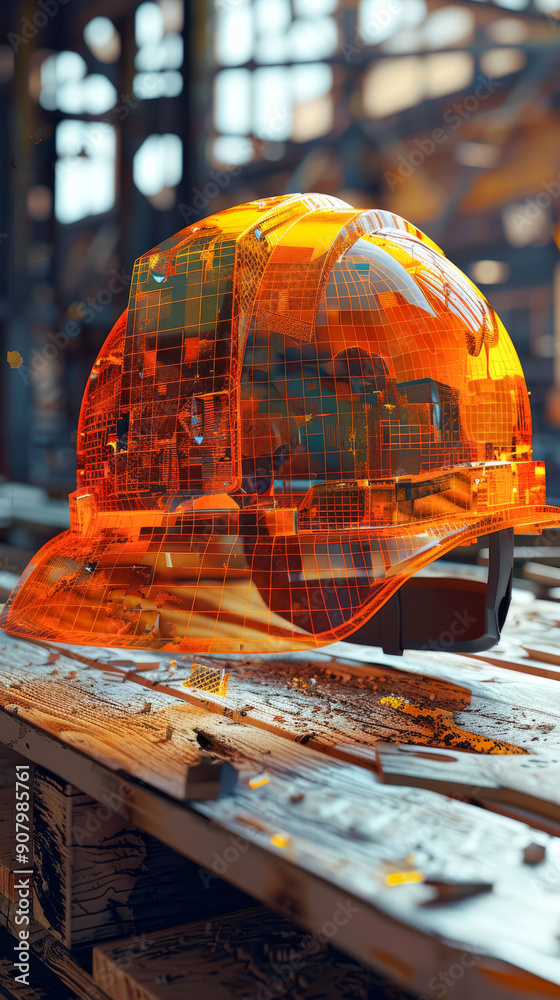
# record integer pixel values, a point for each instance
(303, 405)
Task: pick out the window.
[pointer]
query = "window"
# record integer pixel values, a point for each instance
(85, 169)
(160, 50)
(274, 82)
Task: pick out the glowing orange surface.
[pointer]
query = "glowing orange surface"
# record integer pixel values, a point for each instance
(303, 405)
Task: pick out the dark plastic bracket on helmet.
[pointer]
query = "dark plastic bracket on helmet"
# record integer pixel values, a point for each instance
(446, 613)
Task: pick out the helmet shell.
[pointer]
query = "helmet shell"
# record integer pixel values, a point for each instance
(302, 406)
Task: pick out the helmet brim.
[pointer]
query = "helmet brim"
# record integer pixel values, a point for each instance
(290, 593)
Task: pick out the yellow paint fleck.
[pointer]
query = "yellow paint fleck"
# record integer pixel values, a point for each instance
(258, 781)
(15, 359)
(403, 878)
(280, 839)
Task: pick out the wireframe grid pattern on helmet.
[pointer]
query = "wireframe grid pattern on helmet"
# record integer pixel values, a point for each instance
(303, 405)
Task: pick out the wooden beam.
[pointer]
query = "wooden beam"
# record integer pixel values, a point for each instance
(83, 710)
(303, 831)
(529, 783)
(342, 831)
(97, 875)
(251, 954)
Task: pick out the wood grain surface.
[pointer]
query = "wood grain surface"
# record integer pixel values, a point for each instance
(85, 709)
(527, 782)
(9, 989)
(97, 875)
(341, 833)
(252, 955)
(309, 824)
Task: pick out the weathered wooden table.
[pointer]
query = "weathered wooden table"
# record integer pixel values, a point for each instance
(438, 869)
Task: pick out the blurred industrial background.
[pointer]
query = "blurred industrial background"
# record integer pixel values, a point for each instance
(127, 121)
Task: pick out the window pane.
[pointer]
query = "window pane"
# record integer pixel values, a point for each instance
(313, 39)
(272, 16)
(311, 80)
(313, 8)
(448, 72)
(232, 150)
(84, 185)
(393, 85)
(158, 163)
(232, 101)
(148, 24)
(234, 36)
(272, 104)
(382, 19)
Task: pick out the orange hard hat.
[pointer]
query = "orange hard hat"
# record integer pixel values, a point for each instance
(303, 405)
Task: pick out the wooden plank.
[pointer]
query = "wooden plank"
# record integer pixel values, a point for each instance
(52, 967)
(8, 913)
(8, 777)
(340, 827)
(327, 700)
(547, 576)
(251, 954)
(404, 707)
(535, 820)
(69, 972)
(523, 552)
(37, 988)
(347, 707)
(97, 875)
(229, 953)
(518, 660)
(54, 973)
(524, 710)
(531, 783)
(530, 641)
(342, 831)
(332, 706)
(311, 698)
(346, 696)
(88, 714)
